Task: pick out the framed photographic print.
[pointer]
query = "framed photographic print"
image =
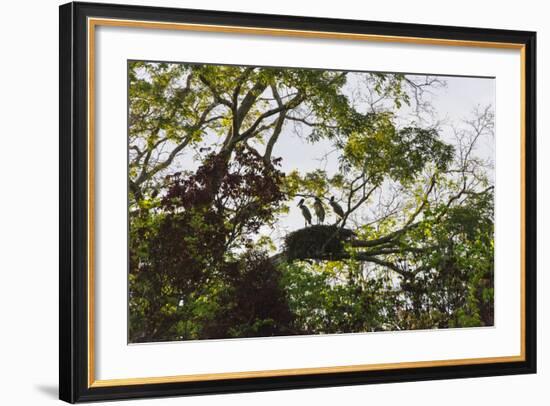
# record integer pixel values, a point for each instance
(256, 202)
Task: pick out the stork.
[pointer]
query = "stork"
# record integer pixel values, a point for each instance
(336, 207)
(305, 212)
(319, 210)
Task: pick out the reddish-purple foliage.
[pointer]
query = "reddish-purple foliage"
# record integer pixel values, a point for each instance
(202, 217)
(205, 214)
(240, 190)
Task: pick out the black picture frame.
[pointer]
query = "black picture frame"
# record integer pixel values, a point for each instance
(73, 283)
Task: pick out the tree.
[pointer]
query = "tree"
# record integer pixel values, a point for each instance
(199, 262)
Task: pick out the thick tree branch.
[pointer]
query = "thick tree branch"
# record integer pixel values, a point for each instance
(217, 96)
(278, 126)
(293, 103)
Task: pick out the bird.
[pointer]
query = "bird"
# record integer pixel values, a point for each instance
(305, 212)
(319, 210)
(336, 207)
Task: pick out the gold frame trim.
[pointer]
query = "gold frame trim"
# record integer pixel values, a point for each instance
(94, 22)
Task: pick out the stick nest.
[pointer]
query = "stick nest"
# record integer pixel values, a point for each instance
(317, 242)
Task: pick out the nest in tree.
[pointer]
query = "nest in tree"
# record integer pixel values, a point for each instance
(316, 242)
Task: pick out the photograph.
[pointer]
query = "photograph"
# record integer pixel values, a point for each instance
(262, 200)
(280, 201)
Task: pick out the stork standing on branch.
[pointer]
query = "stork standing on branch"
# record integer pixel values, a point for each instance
(337, 208)
(319, 210)
(305, 212)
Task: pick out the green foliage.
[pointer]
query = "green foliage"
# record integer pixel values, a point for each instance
(455, 280)
(384, 151)
(332, 297)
